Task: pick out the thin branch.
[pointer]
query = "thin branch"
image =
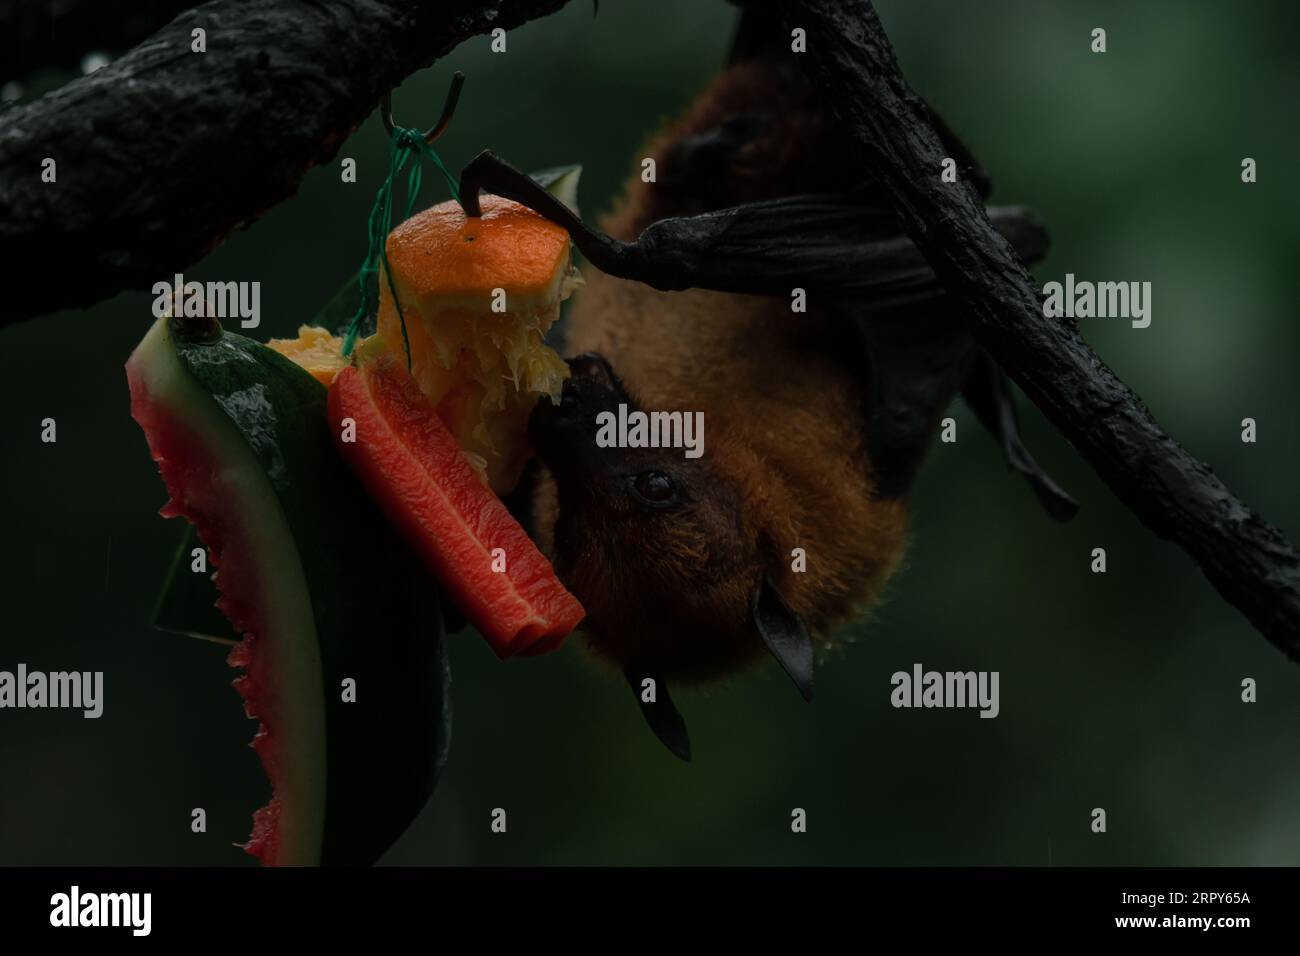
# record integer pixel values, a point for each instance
(162, 153)
(886, 128)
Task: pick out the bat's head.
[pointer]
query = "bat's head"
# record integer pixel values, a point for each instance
(656, 544)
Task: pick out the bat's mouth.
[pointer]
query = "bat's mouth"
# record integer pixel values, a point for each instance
(564, 434)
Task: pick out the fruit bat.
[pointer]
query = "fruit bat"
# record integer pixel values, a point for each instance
(795, 517)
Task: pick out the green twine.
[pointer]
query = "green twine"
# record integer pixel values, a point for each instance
(407, 143)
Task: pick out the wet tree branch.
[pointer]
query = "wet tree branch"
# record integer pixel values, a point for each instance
(162, 153)
(886, 127)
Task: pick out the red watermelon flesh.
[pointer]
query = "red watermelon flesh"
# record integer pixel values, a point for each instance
(415, 470)
(207, 491)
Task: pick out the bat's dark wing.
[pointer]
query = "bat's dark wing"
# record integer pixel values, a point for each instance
(920, 356)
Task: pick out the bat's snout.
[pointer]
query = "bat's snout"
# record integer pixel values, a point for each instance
(564, 434)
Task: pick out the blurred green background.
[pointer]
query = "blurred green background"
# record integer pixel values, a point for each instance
(1119, 691)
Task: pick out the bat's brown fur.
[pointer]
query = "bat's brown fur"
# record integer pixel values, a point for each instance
(784, 464)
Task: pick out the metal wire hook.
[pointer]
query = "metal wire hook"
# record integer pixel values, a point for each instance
(448, 109)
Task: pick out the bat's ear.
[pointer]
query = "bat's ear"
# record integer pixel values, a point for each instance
(784, 633)
(659, 711)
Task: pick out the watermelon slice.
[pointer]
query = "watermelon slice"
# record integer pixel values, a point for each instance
(315, 584)
(416, 471)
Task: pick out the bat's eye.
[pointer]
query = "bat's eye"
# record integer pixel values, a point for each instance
(655, 488)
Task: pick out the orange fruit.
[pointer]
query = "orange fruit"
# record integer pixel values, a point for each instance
(478, 296)
(315, 350)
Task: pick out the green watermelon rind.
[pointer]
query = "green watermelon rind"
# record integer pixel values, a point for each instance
(373, 613)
